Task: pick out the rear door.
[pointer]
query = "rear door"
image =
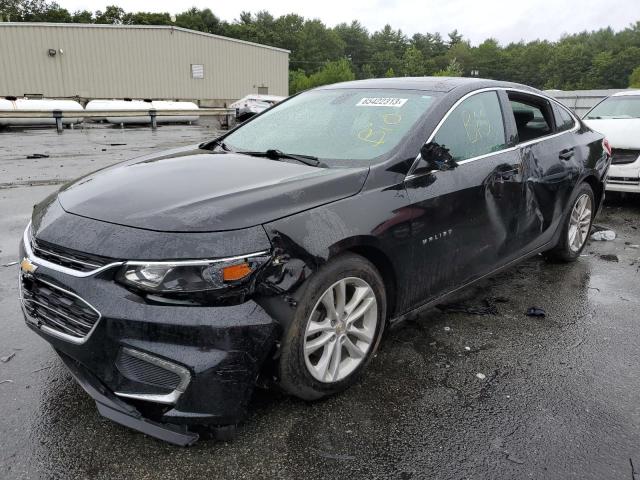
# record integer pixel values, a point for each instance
(551, 162)
(464, 220)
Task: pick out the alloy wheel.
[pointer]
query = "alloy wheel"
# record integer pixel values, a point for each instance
(580, 222)
(340, 330)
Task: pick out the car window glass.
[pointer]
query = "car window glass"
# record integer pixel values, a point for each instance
(564, 120)
(530, 120)
(355, 125)
(474, 128)
(616, 107)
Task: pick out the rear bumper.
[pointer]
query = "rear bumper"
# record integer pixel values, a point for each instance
(216, 352)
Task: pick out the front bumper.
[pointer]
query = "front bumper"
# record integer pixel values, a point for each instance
(624, 178)
(221, 349)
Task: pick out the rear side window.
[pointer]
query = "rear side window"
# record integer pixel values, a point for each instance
(564, 120)
(473, 128)
(533, 116)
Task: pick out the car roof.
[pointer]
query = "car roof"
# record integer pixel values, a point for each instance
(433, 84)
(626, 93)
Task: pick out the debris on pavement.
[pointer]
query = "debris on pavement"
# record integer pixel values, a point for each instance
(447, 329)
(7, 358)
(609, 257)
(536, 312)
(37, 155)
(468, 349)
(604, 236)
(10, 264)
(481, 376)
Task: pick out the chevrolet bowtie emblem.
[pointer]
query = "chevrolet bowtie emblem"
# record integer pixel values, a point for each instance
(27, 266)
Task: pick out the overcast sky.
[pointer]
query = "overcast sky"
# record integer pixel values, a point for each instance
(506, 20)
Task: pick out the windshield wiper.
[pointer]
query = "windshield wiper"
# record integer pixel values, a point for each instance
(274, 154)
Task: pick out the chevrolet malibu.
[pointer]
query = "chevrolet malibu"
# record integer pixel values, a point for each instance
(170, 285)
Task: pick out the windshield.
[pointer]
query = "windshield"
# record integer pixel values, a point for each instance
(616, 107)
(341, 124)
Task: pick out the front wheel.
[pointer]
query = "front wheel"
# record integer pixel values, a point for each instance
(577, 226)
(336, 329)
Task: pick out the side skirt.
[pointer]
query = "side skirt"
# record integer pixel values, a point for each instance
(439, 299)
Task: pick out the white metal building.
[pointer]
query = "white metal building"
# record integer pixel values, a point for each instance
(135, 61)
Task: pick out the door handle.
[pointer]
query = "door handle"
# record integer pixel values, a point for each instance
(508, 174)
(566, 154)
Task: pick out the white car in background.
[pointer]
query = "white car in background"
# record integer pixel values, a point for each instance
(618, 118)
(253, 104)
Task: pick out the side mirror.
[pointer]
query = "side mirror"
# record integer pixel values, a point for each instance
(435, 157)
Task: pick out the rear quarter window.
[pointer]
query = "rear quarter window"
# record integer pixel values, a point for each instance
(564, 120)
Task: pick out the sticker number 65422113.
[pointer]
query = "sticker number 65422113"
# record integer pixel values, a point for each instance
(381, 102)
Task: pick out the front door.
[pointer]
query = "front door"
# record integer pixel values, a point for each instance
(464, 219)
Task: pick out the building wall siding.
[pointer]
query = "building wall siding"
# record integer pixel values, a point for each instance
(95, 61)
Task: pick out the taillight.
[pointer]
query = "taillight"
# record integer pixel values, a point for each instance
(606, 146)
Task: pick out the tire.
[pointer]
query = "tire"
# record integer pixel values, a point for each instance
(569, 247)
(300, 368)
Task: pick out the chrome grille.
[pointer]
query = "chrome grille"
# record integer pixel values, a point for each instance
(58, 310)
(623, 155)
(67, 258)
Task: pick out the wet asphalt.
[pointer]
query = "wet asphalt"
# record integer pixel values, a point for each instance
(559, 398)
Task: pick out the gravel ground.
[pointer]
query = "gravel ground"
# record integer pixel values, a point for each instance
(559, 397)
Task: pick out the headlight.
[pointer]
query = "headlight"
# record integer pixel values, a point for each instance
(191, 275)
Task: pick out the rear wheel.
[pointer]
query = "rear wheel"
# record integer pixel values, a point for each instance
(336, 329)
(577, 226)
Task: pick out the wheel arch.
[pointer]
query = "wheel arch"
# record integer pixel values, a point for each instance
(597, 186)
(366, 247)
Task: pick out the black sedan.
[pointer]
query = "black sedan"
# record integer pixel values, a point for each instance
(171, 284)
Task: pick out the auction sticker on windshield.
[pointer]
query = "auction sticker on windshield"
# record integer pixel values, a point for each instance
(381, 102)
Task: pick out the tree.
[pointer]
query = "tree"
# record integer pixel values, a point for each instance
(487, 59)
(111, 15)
(146, 18)
(298, 81)
(454, 38)
(413, 62)
(357, 45)
(388, 46)
(331, 72)
(201, 20)
(634, 78)
(10, 11)
(454, 69)
(82, 16)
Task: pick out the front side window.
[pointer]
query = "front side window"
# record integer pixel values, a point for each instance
(474, 128)
(616, 107)
(336, 125)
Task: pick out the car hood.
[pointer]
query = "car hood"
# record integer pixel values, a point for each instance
(193, 190)
(620, 132)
